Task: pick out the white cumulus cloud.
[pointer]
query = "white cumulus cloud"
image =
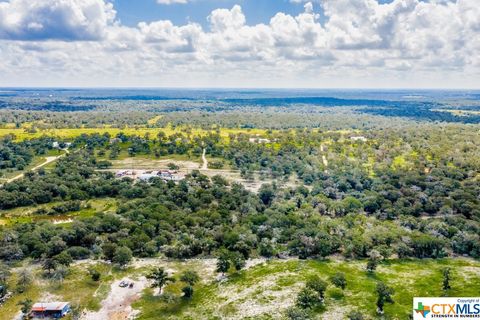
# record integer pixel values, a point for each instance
(353, 43)
(55, 19)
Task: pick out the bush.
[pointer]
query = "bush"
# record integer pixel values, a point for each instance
(187, 291)
(384, 295)
(355, 315)
(466, 243)
(426, 246)
(403, 250)
(339, 280)
(266, 249)
(104, 164)
(318, 285)
(168, 297)
(173, 166)
(78, 253)
(63, 258)
(69, 206)
(373, 260)
(94, 274)
(238, 261)
(123, 255)
(308, 298)
(294, 313)
(216, 165)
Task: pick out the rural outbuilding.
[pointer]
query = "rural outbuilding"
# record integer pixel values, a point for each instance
(50, 309)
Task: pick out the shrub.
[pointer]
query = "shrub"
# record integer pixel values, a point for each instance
(216, 165)
(384, 294)
(187, 291)
(318, 285)
(78, 253)
(295, 313)
(308, 298)
(339, 280)
(355, 315)
(123, 255)
(94, 274)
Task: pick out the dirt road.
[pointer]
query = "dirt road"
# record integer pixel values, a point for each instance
(47, 161)
(324, 158)
(204, 159)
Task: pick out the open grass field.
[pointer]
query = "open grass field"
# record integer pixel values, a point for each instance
(262, 291)
(124, 156)
(76, 287)
(71, 133)
(28, 214)
(153, 121)
(266, 290)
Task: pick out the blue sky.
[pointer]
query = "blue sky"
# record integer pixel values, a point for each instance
(257, 11)
(244, 43)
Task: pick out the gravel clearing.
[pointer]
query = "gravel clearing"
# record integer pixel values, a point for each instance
(118, 303)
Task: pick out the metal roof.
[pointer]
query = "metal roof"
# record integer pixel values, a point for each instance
(49, 306)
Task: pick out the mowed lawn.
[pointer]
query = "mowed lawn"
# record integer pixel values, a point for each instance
(266, 290)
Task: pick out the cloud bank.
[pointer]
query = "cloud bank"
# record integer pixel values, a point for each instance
(67, 20)
(357, 43)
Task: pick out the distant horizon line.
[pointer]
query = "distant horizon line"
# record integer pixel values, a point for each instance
(236, 88)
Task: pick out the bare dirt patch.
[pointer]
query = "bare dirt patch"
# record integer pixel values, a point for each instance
(153, 164)
(118, 303)
(142, 165)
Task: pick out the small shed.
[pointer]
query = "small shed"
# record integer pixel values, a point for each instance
(54, 310)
